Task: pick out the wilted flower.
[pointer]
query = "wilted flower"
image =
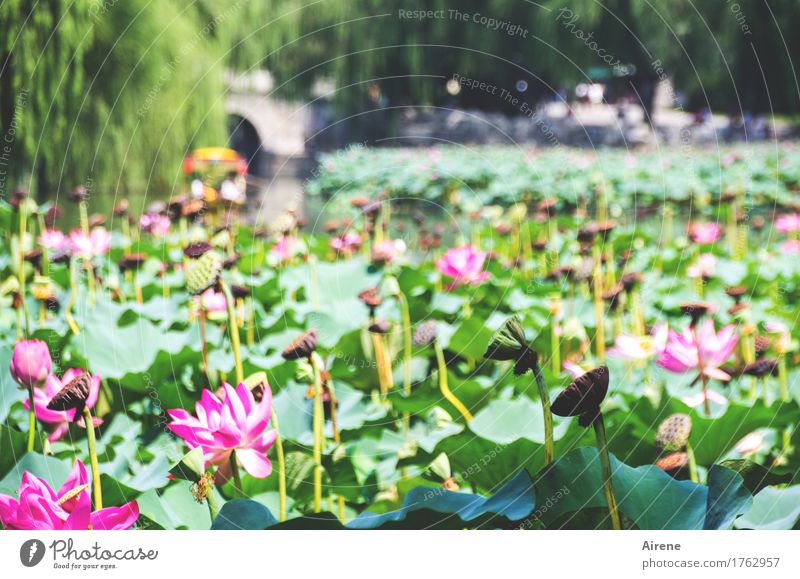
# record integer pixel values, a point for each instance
(237, 424)
(386, 251)
(69, 402)
(510, 343)
(464, 264)
(96, 244)
(686, 350)
(583, 397)
(30, 363)
(707, 232)
(301, 347)
(39, 508)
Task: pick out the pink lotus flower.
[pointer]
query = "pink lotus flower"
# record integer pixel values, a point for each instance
(39, 508)
(790, 246)
(704, 267)
(347, 244)
(705, 232)
(30, 363)
(220, 428)
(386, 251)
(155, 224)
(464, 264)
(684, 353)
(54, 240)
(60, 419)
(97, 243)
(573, 369)
(788, 223)
(285, 249)
(638, 348)
(213, 303)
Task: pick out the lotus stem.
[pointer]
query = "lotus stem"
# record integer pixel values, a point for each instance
(203, 341)
(692, 463)
(318, 424)
(234, 329)
(237, 477)
(31, 420)
(703, 377)
(97, 491)
(251, 322)
(444, 387)
(23, 226)
(605, 464)
(281, 466)
(73, 296)
(407, 353)
(213, 504)
(597, 286)
(549, 444)
(555, 347)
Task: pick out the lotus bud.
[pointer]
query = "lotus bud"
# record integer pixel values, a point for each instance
(673, 433)
(203, 272)
(30, 363)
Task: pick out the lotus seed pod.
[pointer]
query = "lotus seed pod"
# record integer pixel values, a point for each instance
(424, 334)
(203, 272)
(673, 433)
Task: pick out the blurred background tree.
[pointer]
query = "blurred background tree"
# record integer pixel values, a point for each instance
(114, 92)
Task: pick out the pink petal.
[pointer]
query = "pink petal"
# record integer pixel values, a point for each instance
(116, 518)
(255, 463)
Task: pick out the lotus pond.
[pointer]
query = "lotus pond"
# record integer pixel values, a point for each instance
(473, 338)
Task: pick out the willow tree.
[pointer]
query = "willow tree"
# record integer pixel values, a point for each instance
(108, 94)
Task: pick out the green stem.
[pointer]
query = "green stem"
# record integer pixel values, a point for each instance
(237, 477)
(97, 491)
(549, 444)
(234, 329)
(555, 347)
(31, 421)
(692, 463)
(73, 296)
(317, 423)
(605, 464)
(445, 388)
(213, 504)
(281, 465)
(23, 226)
(407, 353)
